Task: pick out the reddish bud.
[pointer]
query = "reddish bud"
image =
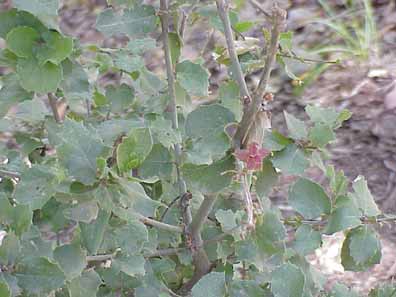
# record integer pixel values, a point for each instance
(253, 156)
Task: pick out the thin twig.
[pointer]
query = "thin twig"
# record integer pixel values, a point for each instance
(54, 107)
(247, 196)
(159, 225)
(238, 33)
(278, 25)
(11, 174)
(100, 258)
(183, 21)
(165, 252)
(157, 253)
(221, 236)
(168, 208)
(258, 6)
(307, 60)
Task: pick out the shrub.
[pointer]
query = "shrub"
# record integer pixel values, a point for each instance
(130, 189)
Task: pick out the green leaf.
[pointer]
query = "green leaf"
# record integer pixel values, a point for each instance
(14, 18)
(211, 285)
(162, 266)
(132, 265)
(327, 115)
(79, 150)
(287, 281)
(55, 49)
(247, 250)
(345, 215)
(18, 217)
(282, 61)
(158, 163)
(9, 249)
(110, 130)
(11, 280)
(133, 22)
(338, 181)
(321, 134)
(36, 187)
(92, 234)
(8, 58)
(131, 244)
(385, 290)
(11, 93)
(175, 44)
(309, 199)
(120, 97)
(86, 285)
(31, 111)
(39, 78)
(128, 63)
(230, 98)
(209, 139)
(286, 40)
(340, 290)
(270, 233)
(243, 26)
(83, 212)
(266, 179)
(193, 78)
(150, 84)
(39, 276)
(140, 46)
(307, 240)
(136, 198)
(290, 160)
(134, 149)
(274, 141)
(5, 290)
(75, 84)
(45, 10)
(210, 12)
(209, 178)
(344, 115)
(227, 219)
(247, 288)
(34, 246)
(164, 133)
(296, 127)
(28, 143)
(362, 197)
(361, 249)
(21, 41)
(71, 259)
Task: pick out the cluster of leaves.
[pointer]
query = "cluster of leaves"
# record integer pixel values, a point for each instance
(86, 204)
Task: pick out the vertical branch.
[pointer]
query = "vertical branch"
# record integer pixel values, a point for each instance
(164, 17)
(54, 107)
(223, 9)
(184, 195)
(278, 25)
(201, 261)
(254, 120)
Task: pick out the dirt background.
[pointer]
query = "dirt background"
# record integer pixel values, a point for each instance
(366, 144)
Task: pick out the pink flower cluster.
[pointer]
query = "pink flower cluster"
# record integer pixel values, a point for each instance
(253, 156)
